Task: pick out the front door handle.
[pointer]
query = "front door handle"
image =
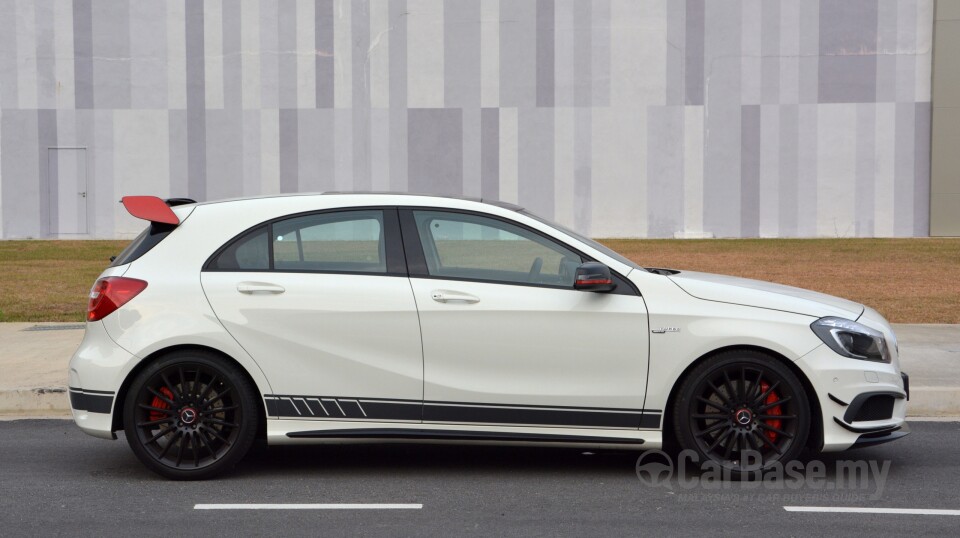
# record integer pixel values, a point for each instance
(448, 296)
(259, 287)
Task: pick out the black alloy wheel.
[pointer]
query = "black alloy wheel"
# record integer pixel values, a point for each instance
(744, 411)
(190, 415)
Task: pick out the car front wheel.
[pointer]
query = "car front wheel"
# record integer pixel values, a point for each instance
(743, 411)
(190, 415)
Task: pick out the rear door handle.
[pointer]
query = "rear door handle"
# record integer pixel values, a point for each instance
(449, 296)
(259, 287)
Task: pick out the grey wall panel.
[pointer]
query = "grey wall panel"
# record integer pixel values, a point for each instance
(177, 151)
(196, 103)
(21, 184)
(46, 139)
(148, 55)
(224, 138)
(721, 196)
(750, 151)
(905, 168)
(83, 52)
(848, 55)
(435, 151)
(864, 206)
(518, 53)
(535, 152)
(664, 170)
(788, 157)
(921, 169)
(461, 53)
(490, 153)
(111, 53)
(46, 56)
(815, 115)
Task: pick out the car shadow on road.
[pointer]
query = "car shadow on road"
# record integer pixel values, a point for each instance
(413, 458)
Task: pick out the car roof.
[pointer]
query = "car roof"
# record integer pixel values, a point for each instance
(497, 203)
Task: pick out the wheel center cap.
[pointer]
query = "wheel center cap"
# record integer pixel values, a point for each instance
(743, 417)
(188, 415)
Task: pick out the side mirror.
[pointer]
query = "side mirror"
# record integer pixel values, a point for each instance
(593, 276)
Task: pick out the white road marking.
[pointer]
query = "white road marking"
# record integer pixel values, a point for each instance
(865, 510)
(341, 506)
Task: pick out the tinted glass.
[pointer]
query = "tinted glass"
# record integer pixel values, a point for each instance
(348, 241)
(459, 245)
(249, 253)
(148, 238)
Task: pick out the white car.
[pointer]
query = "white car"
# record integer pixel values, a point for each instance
(334, 317)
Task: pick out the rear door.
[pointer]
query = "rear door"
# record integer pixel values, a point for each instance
(323, 304)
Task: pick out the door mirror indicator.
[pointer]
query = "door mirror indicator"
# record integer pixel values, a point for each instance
(593, 276)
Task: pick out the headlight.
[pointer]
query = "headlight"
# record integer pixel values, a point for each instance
(852, 339)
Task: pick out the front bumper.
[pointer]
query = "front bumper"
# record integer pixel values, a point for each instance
(862, 402)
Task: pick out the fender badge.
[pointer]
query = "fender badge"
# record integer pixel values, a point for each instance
(662, 330)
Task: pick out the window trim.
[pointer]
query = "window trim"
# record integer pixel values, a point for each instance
(393, 248)
(417, 262)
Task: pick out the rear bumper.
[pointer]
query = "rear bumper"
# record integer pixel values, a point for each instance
(96, 371)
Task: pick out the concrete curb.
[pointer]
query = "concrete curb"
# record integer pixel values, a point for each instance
(42, 401)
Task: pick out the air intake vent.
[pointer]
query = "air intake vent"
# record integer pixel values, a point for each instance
(879, 407)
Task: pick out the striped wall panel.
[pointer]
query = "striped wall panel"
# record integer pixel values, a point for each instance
(620, 118)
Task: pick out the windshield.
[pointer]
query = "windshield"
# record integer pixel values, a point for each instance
(598, 246)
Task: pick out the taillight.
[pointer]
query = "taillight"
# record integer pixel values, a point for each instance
(110, 293)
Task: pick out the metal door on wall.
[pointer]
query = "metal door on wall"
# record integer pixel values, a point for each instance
(67, 174)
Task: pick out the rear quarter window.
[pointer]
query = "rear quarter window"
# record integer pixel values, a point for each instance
(250, 252)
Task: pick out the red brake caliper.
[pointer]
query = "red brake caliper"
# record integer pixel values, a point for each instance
(160, 404)
(775, 410)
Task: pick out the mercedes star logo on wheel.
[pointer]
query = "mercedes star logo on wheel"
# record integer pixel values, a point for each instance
(188, 415)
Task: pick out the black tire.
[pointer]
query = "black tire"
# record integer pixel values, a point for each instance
(739, 401)
(190, 415)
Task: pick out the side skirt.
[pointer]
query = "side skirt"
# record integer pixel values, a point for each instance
(457, 435)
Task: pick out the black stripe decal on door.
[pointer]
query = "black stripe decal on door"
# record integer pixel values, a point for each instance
(340, 408)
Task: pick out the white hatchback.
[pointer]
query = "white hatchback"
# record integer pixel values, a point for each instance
(335, 317)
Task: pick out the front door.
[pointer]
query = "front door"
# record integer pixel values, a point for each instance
(322, 303)
(506, 338)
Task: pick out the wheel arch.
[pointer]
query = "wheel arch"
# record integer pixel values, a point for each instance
(815, 437)
(117, 421)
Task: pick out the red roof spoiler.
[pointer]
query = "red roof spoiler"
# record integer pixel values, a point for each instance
(150, 208)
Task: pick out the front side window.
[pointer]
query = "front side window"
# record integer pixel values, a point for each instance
(459, 245)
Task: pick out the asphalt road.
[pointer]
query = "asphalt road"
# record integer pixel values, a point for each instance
(54, 480)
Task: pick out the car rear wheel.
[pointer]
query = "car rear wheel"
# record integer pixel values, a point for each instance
(190, 415)
(743, 411)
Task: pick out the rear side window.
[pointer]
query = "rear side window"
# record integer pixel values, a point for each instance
(142, 244)
(343, 242)
(350, 241)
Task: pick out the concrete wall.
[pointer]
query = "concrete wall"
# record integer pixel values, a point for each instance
(945, 165)
(616, 117)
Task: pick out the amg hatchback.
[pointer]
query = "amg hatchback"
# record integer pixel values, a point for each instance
(334, 317)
